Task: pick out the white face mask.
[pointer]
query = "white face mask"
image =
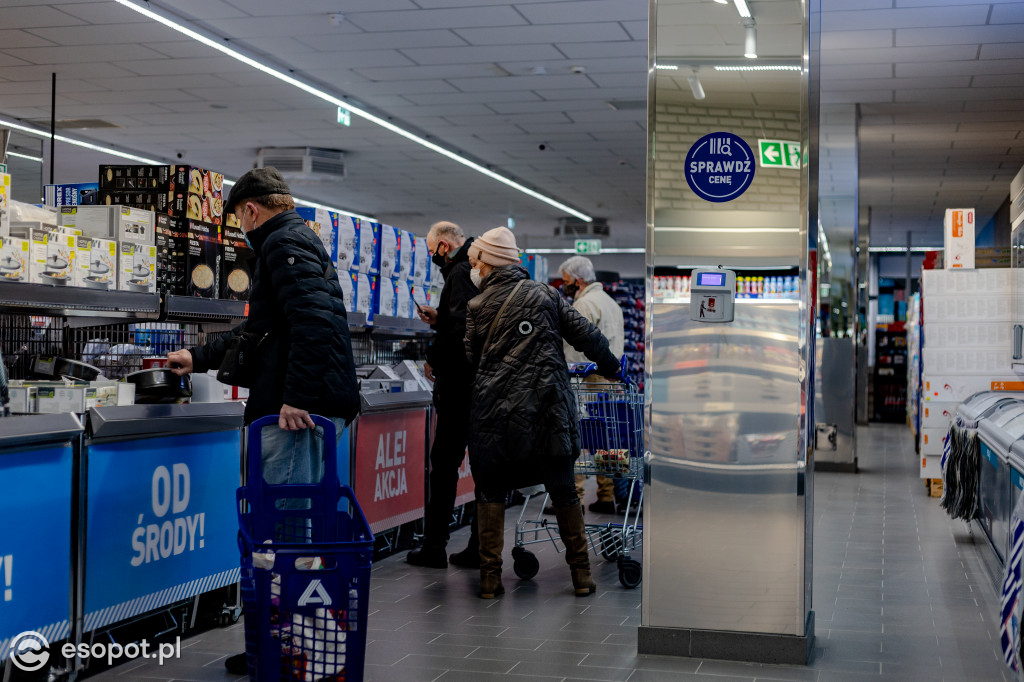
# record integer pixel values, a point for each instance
(474, 275)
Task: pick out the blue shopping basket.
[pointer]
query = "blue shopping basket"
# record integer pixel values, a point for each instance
(306, 556)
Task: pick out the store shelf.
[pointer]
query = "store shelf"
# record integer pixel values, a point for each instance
(399, 326)
(190, 309)
(356, 321)
(45, 299)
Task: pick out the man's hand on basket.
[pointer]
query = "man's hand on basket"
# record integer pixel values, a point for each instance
(294, 419)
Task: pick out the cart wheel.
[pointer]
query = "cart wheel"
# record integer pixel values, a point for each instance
(630, 572)
(524, 563)
(610, 544)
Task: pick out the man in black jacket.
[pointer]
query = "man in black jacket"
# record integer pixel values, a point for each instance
(449, 369)
(297, 314)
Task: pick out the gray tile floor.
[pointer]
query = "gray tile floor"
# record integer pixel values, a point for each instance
(900, 593)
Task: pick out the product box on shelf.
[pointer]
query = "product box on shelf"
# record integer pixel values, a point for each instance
(403, 299)
(384, 302)
(202, 260)
(180, 191)
(120, 223)
(958, 230)
(15, 256)
(325, 224)
(366, 292)
(421, 295)
(390, 241)
(956, 389)
(348, 243)
(78, 194)
(52, 257)
(406, 253)
(96, 263)
(171, 249)
(420, 261)
(23, 399)
(236, 265)
(5, 204)
(136, 267)
(369, 247)
(938, 415)
(348, 289)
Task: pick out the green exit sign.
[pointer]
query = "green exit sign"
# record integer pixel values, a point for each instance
(586, 247)
(344, 116)
(779, 154)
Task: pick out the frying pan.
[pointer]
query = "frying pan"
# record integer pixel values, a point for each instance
(160, 385)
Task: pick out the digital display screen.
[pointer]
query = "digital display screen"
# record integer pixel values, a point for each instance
(711, 279)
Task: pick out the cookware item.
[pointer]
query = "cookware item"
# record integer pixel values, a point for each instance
(56, 263)
(160, 385)
(53, 278)
(138, 285)
(8, 263)
(98, 267)
(140, 271)
(55, 367)
(94, 282)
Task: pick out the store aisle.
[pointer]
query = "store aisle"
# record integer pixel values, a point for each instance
(900, 594)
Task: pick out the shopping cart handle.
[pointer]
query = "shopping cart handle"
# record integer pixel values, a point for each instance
(582, 369)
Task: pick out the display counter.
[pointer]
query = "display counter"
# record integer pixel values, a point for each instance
(998, 431)
(389, 457)
(37, 460)
(160, 519)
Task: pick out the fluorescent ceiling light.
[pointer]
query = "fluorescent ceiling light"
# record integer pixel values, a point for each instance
(667, 67)
(221, 47)
(142, 159)
(722, 2)
(741, 7)
(25, 156)
(604, 250)
(750, 44)
(759, 67)
(731, 230)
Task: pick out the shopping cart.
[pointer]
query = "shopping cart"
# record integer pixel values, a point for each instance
(611, 444)
(305, 572)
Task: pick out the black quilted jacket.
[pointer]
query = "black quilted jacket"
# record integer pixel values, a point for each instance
(524, 418)
(306, 360)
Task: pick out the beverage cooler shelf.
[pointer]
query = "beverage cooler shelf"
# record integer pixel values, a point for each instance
(44, 299)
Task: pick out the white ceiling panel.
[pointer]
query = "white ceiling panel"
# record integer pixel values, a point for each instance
(958, 35)
(895, 55)
(483, 53)
(525, 35)
(874, 19)
(502, 15)
(634, 48)
(384, 40)
(591, 10)
(97, 13)
(21, 38)
(275, 8)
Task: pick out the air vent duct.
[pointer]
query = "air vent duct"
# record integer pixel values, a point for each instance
(304, 164)
(574, 227)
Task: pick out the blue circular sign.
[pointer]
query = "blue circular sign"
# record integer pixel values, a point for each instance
(719, 167)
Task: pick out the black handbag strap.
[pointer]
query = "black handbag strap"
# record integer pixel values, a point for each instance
(497, 317)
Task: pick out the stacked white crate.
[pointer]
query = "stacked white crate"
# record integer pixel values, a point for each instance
(968, 331)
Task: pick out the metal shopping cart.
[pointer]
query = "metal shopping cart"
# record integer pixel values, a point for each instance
(612, 442)
(305, 572)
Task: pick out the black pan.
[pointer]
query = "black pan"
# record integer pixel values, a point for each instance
(160, 385)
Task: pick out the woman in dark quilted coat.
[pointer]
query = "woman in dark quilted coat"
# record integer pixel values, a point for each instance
(524, 423)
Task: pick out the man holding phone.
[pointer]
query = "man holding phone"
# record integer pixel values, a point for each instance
(448, 367)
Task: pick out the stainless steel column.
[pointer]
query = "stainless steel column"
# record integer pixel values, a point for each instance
(728, 503)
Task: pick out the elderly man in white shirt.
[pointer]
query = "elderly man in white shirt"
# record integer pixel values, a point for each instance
(591, 301)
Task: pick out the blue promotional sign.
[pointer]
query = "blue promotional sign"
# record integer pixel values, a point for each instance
(719, 167)
(35, 544)
(161, 524)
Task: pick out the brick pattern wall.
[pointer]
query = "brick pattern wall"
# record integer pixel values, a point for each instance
(678, 127)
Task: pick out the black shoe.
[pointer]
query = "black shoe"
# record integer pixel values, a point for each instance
(237, 664)
(599, 507)
(467, 558)
(428, 556)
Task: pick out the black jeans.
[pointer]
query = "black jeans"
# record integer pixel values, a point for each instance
(560, 483)
(446, 455)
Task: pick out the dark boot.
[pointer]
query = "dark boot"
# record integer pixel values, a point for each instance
(491, 527)
(574, 537)
(428, 556)
(469, 557)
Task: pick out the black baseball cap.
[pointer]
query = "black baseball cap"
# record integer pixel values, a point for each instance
(258, 182)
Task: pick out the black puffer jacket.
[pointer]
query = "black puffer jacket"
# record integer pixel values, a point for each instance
(524, 418)
(306, 361)
(447, 354)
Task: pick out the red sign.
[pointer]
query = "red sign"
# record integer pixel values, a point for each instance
(390, 467)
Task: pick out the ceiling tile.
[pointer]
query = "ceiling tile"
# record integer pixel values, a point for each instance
(855, 20)
(64, 72)
(461, 98)
(957, 35)
(99, 13)
(384, 40)
(526, 35)
(100, 36)
(275, 8)
(484, 53)
(602, 49)
(82, 53)
(900, 54)
(19, 38)
(368, 60)
(520, 83)
(442, 72)
(502, 15)
(593, 10)
(264, 26)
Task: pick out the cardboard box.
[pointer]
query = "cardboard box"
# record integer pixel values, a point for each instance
(135, 177)
(236, 271)
(931, 441)
(369, 250)
(420, 261)
(420, 294)
(23, 399)
(78, 194)
(403, 300)
(348, 243)
(956, 389)
(348, 289)
(15, 256)
(96, 263)
(58, 400)
(5, 204)
(931, 466)
(958, 230)
(938, 415)
(171, 248)
(365, 291)
(202, 260)
(325, 224)
(384, 302)
(120, 223)
(390, 241)
(189, 192)
(406, 252)
(52, 257)
(136, 267)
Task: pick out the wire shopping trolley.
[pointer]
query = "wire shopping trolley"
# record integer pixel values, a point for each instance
(306, 555)
(611, 444)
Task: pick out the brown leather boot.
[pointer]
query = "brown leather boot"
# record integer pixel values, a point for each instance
(491, 529)
(574, 537)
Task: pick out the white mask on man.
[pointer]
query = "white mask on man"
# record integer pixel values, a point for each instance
(474, 275)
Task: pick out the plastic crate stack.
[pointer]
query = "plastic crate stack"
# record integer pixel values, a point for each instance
(631, 295)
